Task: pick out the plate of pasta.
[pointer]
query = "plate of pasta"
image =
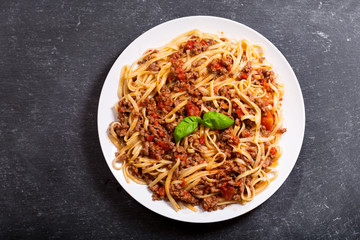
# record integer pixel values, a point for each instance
(201, 119)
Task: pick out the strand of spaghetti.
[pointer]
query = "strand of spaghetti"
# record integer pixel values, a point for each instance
(211, 140)
(159, 177)
(136, 152)
(115, 162)
(250, 193)
(252, 104)
(212, 94)
(205, 196)
(259, 154)
(176, 95)
(121, 81)
(182, 104)
(191, 185)
(167, 185)
(132, 141)
(228, 202)
(247, 173)
(235, 70)
(146, 119)
(190, 207)
(156, 166)
(200, 174)
(133, 103)
(278, 126)
(163, 73)
(204, 81)
(209, 179)
(265, 182)
(124, 172)
(186, 172)
(132, 177)
(276, 173)
(211, 164)
(169, 120)
(147, 93)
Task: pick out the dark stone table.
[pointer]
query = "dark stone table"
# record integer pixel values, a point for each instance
(54, 59)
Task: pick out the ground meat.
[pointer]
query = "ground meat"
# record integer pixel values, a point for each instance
(145, 149)
(158, 189)
(246, 133)
(160, 141)
(217, 66)
(225, 92)
(154, 67)
(164, 102)
(178, 193)
(228, 137)
(181, 86)
(192, 75)
(232, 166)
(148, 57)
(121, 129)
(253, 151)
(194, 46)
(198, 63)
(198, 48)
(124, 108)
(268, 161)
(210, 42)
(264, 104)
(266, 74)
(282, 130)
(192, 160)
(197, 190)
(251, 97)
(209, 203)
(227, 61)
(224, 105)
(247, 68)
(135, 171)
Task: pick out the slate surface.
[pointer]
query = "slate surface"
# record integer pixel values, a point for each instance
(54, 59)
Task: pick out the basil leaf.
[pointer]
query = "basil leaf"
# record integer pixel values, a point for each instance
(185, 127)
(215, 120)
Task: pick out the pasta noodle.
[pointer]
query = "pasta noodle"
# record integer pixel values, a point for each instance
(193, 74)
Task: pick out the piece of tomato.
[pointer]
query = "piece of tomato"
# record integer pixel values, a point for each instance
(161, 133)
(217, 65)
(183, 182)
(236, 140)
(202, 140)
(227, 192)
(163, 145)
(150, 138)
(192, 109)
(239, 112)
(190, 44)
(243, 75)
(273, 151)
(161, 191)
(267, 120)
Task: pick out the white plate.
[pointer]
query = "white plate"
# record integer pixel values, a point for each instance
(293, 111)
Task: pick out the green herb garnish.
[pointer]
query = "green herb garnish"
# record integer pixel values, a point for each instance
(212, 120)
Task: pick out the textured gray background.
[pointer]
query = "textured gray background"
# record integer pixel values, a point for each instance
(54, 59)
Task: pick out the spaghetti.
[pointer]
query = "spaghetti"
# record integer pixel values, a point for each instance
(193, 74)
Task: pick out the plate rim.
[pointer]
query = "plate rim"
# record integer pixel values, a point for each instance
(301, 108)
